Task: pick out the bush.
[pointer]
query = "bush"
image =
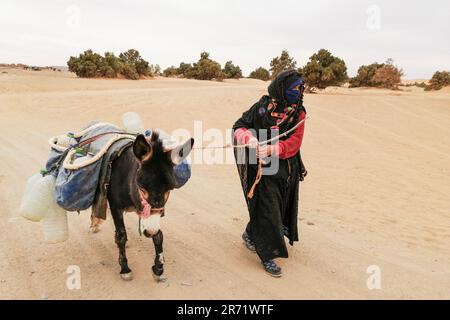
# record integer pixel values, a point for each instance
(86, 65)
(130, 72)
(206, 69)
(110, 65)
(133, 59)
(155, 70)
(281, 63)
(439, 80)
(365, 75)
(260, 73)
(129, 64)
(171, 71)
(416, 84)
(230, 71)
(323, 70)
(388, 76)
(421, 85)
(381, 75)
(185, 69)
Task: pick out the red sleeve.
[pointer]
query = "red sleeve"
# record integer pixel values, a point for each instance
(289, 147)
(242, 135)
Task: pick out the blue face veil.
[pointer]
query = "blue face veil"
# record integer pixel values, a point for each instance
(294, 91)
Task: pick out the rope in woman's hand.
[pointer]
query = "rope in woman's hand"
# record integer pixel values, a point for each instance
(230, 145)
(259, 172)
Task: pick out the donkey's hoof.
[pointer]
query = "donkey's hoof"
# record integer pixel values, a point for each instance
(160, 278)
(127, 276)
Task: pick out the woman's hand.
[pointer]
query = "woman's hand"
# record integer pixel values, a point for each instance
(253, 143)
(266, 150)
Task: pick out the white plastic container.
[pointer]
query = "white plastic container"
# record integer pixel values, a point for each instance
(55, 225)
(133, 123)
(38, 197)
(30, 183)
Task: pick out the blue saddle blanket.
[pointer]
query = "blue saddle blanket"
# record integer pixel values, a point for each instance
(78, 189)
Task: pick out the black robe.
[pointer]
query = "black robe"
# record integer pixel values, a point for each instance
(273, 209)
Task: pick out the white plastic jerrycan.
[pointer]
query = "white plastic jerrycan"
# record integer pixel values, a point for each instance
(55, 225)
(38, 197)
(133, 123)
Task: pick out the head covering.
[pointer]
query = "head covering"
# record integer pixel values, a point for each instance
(286, 102)
(284, 81)
(273, 111)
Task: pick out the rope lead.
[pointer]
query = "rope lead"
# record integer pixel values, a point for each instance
(257, 179)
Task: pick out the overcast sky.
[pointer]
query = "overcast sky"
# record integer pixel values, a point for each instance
(249, 32)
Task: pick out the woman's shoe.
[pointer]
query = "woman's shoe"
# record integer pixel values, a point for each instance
(248, 242)
(272, 268)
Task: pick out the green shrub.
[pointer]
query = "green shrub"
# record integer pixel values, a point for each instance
(110, 65)
(381, 75)
(185, 69)
(129, 72)
(416, 84)
(132, 58)
(439, 80)
(281, 63)
(205, 69)
(323, 70)
(171, 71)
(421, 85)
(86, 65)
(129, 64)
(260, 73)
(230, 71)
(364, 78)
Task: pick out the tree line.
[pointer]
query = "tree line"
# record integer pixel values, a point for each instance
(129, 65)
(322, 70)
(204, 69)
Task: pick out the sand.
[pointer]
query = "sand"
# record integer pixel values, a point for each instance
(377, 194)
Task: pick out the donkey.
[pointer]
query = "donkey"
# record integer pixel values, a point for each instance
(141, 180)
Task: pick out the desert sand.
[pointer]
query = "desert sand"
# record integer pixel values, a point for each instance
(377, 193)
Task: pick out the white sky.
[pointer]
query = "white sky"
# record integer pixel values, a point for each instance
(249, 32)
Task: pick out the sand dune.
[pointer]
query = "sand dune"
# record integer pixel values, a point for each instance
(377, 193)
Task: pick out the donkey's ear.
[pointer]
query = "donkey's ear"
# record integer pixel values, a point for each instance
(142, 149)
(179, 153)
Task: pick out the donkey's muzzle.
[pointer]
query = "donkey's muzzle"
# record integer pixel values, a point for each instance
(159, 211)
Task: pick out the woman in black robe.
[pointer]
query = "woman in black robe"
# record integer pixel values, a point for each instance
(273, 205)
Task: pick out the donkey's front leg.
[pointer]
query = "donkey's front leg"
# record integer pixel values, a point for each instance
(121, 240)
(158, 267)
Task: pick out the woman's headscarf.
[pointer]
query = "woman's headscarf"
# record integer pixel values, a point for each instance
(286, 101)
(282, 86)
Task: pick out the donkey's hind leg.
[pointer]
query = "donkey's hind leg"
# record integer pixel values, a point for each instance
(121, 240)
(95, 224)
